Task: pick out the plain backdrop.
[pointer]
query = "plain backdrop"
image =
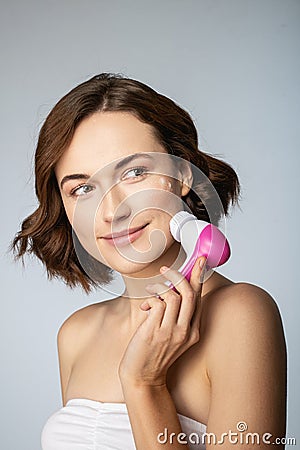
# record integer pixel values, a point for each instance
(234, 65)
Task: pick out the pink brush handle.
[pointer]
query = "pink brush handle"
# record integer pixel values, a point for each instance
(212, 244)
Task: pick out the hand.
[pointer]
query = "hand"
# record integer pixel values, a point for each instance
(171, 327)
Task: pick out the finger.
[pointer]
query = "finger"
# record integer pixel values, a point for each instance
(156, 309)
(194, 330)
(172, 300)
(196, 279)
(196, 319)
(187, 296)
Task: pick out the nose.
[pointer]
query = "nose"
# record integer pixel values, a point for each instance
(114, 207)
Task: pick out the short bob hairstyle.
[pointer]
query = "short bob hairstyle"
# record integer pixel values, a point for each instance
(47, 232)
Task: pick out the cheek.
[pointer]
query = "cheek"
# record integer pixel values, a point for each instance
(77, 218)
(160, 195)
(69, 211)
(155, 199)
(165, 184)
(168, 184)
(82, 216)
(166, 195)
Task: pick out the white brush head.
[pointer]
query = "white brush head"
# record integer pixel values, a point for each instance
(177, 222)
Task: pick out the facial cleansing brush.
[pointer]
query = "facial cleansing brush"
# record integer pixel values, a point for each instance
(198, 238)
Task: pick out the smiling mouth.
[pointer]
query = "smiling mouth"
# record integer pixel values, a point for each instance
(121, 239)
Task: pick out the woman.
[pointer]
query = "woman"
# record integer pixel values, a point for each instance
(114, 158)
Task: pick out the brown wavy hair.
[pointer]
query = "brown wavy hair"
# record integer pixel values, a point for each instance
(47, 232)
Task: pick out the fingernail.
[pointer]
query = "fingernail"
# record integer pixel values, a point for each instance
(163, 268)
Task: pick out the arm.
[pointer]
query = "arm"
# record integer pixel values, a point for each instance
(246, 366)
(65, 356)
(153, 418)
(170, 329)
(70, 339)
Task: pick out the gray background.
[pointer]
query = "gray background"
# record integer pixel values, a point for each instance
(234, 65)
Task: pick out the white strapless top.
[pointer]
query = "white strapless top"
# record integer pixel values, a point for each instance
(85, 424)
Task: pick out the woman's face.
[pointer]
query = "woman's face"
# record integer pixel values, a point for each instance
(115, 177)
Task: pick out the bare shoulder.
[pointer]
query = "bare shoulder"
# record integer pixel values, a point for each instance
(74, 331)
(231, 302)
(238, 316)
(245, 359)
(72, 336)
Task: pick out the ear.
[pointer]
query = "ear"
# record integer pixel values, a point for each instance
(187, 177)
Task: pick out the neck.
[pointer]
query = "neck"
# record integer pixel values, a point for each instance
(135, 283)
(135, 293)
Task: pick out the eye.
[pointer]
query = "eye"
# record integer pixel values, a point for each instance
(138, 171)
(82, 188)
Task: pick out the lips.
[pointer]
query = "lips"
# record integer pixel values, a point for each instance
(123, 233)
(123, 238)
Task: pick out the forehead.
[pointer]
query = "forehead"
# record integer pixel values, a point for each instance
(103, 138)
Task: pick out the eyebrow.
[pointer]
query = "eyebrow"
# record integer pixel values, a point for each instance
(74, 176)
(119, 165)
(130, 158)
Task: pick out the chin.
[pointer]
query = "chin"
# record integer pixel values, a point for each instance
(136, 270)
(147, 268)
